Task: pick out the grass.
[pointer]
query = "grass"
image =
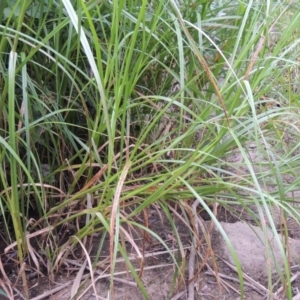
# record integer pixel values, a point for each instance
(108, 108)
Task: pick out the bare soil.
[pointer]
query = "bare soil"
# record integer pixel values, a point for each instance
(216, 280)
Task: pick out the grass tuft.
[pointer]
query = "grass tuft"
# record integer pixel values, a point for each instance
(110, 109)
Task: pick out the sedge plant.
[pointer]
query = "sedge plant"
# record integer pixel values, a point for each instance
(110, 108)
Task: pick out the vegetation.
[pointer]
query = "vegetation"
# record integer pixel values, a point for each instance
(110, 107)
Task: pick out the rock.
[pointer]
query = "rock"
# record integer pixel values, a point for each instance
(248, 241)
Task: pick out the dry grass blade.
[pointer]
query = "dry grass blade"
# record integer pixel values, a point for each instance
(191, 288)
(100, 173)
(78, 279)
(63, 253)
(53, 291)
(90, 265)
(225, 284)
(95, 178)
(22, 274)
(33, 254)
(254, 57)
(114, 211)
(5, 277)
(61, 193)
(293, 278)
(257, 286)
(21, 295)
(193, 253)
(179, 296)
(29, 236)
(134, 245)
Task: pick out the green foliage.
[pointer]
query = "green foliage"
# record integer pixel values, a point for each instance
(114, 105)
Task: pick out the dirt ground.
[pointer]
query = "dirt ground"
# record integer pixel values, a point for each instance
(218, 279)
